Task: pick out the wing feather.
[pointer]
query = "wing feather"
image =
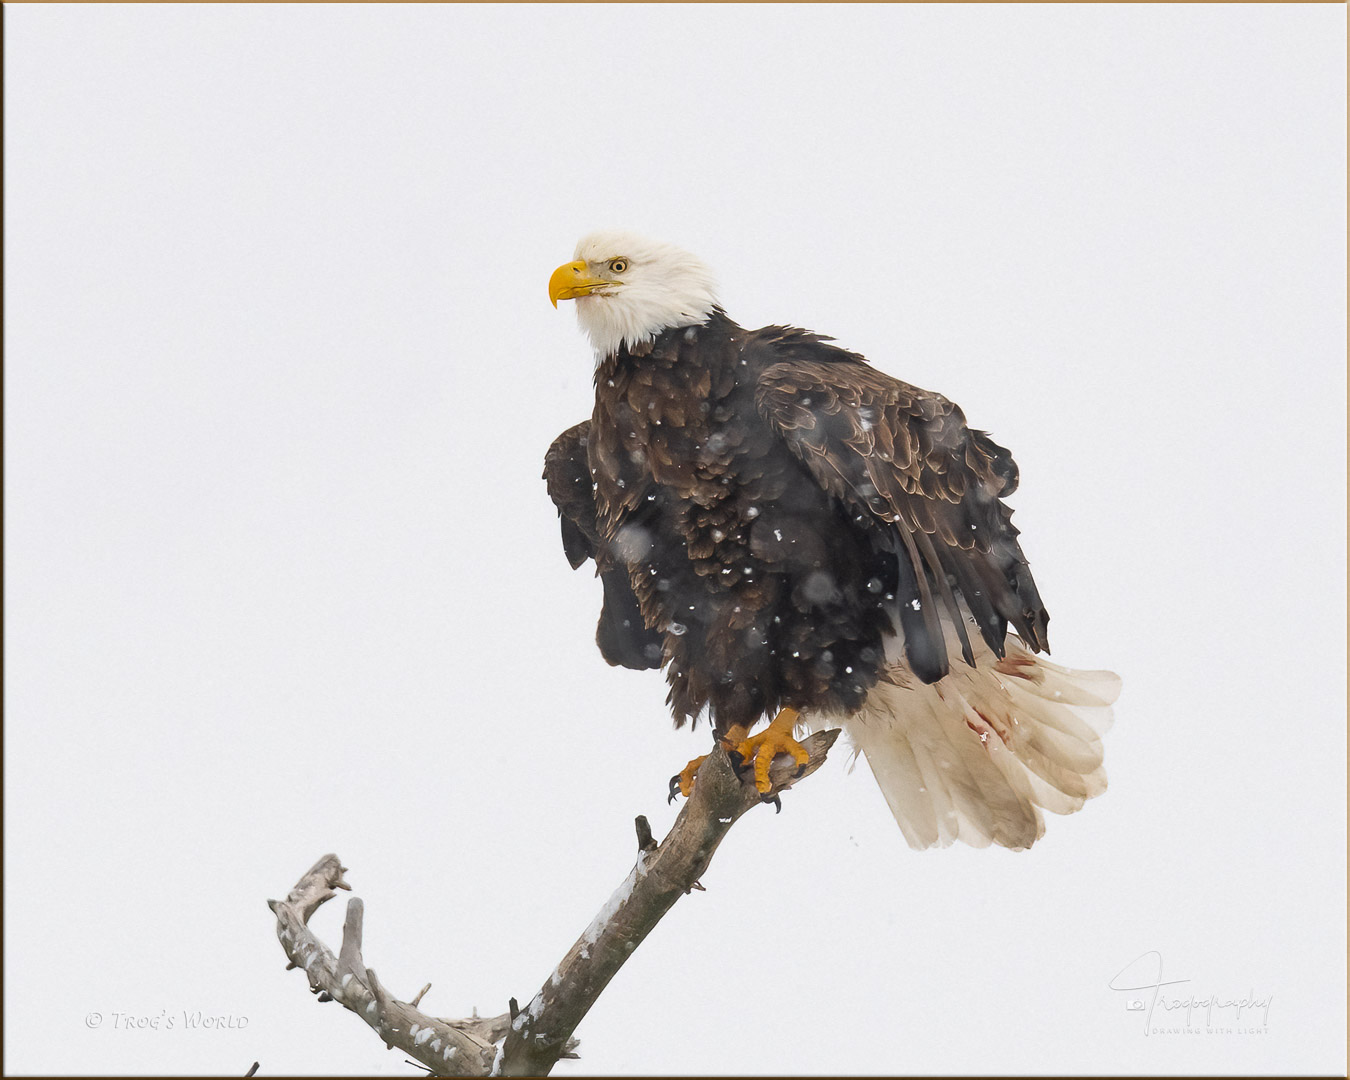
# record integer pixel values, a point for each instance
(622, 635)
(905, 457)
(568, 477)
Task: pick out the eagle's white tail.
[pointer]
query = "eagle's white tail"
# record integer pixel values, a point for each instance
(975, 756)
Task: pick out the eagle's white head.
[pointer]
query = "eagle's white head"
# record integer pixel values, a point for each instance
(628, 289)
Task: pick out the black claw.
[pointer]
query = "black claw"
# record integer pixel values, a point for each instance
(674, 788)
(777, 802)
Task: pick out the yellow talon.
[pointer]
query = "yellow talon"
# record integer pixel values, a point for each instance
(761, 749)
(684, 779)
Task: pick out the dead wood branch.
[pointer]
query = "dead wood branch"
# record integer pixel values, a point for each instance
(529, 1041)
(660, 878)
(446, 1047)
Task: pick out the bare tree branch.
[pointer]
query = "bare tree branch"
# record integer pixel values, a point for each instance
(530, 1041)
(446, 1047)
(538, 1035)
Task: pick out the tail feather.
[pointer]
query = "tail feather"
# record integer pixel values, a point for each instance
(897, 769)
(991, 808)
(979, 754)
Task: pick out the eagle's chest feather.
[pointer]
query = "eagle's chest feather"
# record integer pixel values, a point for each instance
(685, 469)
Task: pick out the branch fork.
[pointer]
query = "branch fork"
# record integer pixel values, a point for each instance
(530, 1041)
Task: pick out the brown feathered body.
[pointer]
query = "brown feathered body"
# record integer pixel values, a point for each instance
(778, 523)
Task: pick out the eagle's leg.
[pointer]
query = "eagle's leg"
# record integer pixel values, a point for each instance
(759, 750)
(755, 751)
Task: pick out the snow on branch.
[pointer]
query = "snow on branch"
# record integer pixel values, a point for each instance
(446, 1047)
(530, 1041)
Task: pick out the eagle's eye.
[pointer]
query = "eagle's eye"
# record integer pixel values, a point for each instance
(618, 266)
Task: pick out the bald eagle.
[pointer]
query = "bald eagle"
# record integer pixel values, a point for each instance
(790, 533)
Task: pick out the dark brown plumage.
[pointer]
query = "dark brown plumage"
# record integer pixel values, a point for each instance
(765, 508)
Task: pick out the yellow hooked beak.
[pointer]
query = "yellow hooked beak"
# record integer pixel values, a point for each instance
(571, 280)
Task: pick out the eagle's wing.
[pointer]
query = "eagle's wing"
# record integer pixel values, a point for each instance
(568, 477)
(902, 460)
(621, 634)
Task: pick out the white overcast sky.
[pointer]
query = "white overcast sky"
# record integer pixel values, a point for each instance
(282, 578)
